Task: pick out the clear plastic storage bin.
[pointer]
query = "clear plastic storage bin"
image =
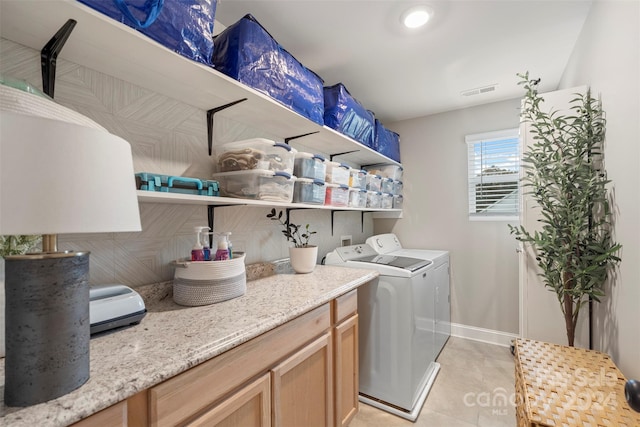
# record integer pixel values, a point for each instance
(337, 173)
(256, 153)
(309, 165)
(374, 199)
(386, 185)
(398, 201)
(307, 190)
(386, 201)
(374, 182)
(257, 184)
(358, 178)
(397, 187)
(337, 195)
(386, 171)
(357, 198)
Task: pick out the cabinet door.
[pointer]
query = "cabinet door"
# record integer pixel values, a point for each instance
(303, 387)
(249, 407)
(346, 368)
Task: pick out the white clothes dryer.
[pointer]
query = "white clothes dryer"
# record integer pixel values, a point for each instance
(389, 244)
(396, 329)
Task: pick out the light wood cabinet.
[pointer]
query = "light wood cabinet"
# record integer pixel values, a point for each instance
(303, 387)
(302, 373)
(194, 391)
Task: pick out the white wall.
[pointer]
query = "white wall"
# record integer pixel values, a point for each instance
(607, 57)
(484, 263)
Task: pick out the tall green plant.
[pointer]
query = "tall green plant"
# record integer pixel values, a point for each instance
(564, 174)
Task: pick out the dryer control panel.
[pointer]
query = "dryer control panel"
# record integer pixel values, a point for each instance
(347, 253)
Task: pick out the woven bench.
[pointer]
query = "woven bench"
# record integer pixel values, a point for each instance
(563, 386)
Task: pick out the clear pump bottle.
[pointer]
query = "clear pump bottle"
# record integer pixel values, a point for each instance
(197, 253)
(227, 235)
(222, 253)
(204, 238)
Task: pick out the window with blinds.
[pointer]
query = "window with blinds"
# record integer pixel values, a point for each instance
(493, 175)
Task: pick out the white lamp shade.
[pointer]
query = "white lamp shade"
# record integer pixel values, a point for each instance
(58, 177)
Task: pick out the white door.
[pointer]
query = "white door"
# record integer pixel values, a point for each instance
(541, 317)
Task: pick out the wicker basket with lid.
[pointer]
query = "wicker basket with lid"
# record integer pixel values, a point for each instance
(563, 386)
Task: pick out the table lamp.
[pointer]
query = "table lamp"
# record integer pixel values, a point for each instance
(56, 176)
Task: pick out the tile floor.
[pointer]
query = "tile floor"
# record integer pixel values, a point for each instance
(474, 387)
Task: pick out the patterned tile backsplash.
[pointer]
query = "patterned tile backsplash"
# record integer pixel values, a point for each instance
(168, 137)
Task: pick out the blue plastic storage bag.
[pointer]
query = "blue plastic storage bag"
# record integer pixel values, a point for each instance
(387, 142)
(184, 26)
(246, 52)
(345, 114)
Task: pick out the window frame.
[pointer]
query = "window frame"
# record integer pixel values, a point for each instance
(473, 178)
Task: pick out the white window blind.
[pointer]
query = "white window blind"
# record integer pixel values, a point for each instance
(493, 175)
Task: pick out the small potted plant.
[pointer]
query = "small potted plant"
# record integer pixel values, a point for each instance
(303, 255)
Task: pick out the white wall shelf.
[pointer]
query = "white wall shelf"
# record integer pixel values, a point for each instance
(102, 44)
(184, 199)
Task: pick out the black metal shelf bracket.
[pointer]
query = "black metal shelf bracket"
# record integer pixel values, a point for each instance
(49, 56)
(211, 113)
(333, 211)
(288, 213)
(362, 220)
(332, 214)
(331, 156)
(291, 138)
(211, 217)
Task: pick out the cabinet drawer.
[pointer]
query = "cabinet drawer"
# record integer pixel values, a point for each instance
(344, 306)
(191, 392)
(113, 416)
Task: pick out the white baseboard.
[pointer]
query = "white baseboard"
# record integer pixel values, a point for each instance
(489, 336)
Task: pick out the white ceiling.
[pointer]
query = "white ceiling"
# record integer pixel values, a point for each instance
(401, 74)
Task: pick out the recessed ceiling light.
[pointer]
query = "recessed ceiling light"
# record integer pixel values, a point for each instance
(416, 16)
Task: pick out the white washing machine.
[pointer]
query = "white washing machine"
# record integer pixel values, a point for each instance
(390, 245)
(397, 338)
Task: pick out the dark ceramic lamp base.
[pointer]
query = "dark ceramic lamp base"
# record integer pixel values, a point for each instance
(47, 326)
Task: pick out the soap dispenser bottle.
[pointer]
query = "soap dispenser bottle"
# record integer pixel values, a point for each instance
(222, 253)
(206, 248)
(227, 235)
(197, 253)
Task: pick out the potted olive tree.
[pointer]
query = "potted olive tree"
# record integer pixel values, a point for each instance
(303, 256)
(565, 176)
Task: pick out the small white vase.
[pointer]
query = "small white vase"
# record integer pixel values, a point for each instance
(303, 260)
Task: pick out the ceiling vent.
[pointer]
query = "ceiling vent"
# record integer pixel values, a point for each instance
(479, 90)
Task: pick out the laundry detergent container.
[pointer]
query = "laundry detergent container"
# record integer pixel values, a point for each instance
(387, 142)
(345, 114)
(246, 52)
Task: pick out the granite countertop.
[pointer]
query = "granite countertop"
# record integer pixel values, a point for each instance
(171, 339)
